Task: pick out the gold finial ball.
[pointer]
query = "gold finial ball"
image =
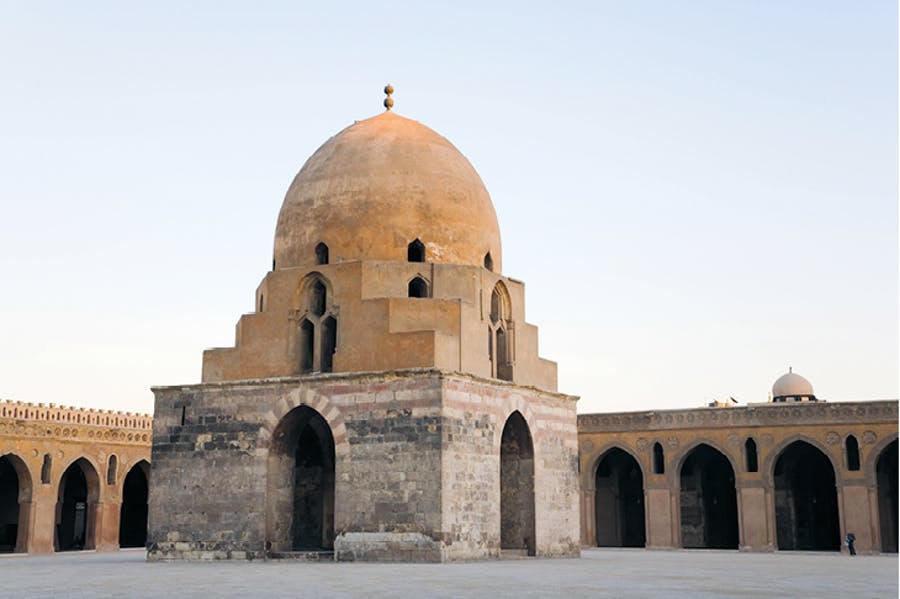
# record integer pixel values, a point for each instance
(389, 101)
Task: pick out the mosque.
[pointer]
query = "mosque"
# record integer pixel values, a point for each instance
(385, 401)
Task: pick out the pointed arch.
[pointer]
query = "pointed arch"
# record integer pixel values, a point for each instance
(501, 306)
(301, 483)
(16, 488)
(886, 489)
(133, 511)
(806, 505)
(321, 253)
(619, 500)
(517, 515)
(708, 499)
(417, 287)
(415, 251)
(76, 509)
(489, 262)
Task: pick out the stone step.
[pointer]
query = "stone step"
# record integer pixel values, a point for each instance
(513, 553)
(303, 556)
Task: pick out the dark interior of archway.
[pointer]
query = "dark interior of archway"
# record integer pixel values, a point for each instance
(516, 486)
(9, 506)
(619, 501)
(886, 472)
(71, 524)
(313, 518)
(133, 514)
(806, 511)
(709, 518)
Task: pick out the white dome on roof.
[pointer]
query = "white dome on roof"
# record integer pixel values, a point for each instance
(792, 384)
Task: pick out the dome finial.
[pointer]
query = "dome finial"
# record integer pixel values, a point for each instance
(388, 101)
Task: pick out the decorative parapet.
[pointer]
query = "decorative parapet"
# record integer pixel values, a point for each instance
(785, 414)
(23, 419)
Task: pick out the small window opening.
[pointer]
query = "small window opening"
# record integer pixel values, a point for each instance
(659, 464)
(321, 254)
(495, 306)
(750, 455)
(489, 262)
(329, 343)
(415, 252)
(183, 415)
(273, 263)
(45, 469)
(418, 288)
(262, 302)
(307, 346)
(852, 453)
(317, 301)
(111, 470)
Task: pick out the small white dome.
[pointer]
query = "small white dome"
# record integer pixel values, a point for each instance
(792, 385)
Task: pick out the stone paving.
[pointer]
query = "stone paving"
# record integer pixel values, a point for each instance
(614, 573)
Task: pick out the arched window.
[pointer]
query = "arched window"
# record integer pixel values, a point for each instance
(316, 336)
(45, 469)
(111, 470)
(307, 345)
(415, 252)
(329, 342)
(750, 460)
(321, 254)
(318, 299)
(852, 447)
(489, 262)
(418, 288)
(659, 463)
(500, 345)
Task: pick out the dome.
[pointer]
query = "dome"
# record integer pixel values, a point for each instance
(377, 186)
(792, 385)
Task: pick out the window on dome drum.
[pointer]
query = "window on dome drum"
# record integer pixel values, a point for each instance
(329, 342)
(315, 339)
(307, 346)
(45, 469)
(750, 459)
(659, 464)
(418, 288)
(852, 446)
(111, 470)
(489, 262)
(500, 343)
(415, 252)
(321, 254)
(317, 301)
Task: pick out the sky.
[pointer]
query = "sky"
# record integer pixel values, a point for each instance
(698, 194)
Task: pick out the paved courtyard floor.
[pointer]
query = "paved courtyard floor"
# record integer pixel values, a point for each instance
(614, 573)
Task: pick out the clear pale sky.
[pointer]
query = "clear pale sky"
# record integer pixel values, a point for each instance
(697, 194)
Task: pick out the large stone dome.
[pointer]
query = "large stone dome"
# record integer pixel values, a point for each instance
(377, 186)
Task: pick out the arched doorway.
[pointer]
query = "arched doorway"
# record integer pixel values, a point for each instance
(15, 490)
(886, 477)
(619, 501)
(806, 511)
(133, 514)
(709, 518)
(76, 507)
(301, 483)
(517, 486)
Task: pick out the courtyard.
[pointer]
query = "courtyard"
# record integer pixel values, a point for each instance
(617, 573)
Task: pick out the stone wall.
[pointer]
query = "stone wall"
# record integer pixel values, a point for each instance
(416, 467)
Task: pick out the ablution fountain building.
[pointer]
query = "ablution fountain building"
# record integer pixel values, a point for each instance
(386, 400)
